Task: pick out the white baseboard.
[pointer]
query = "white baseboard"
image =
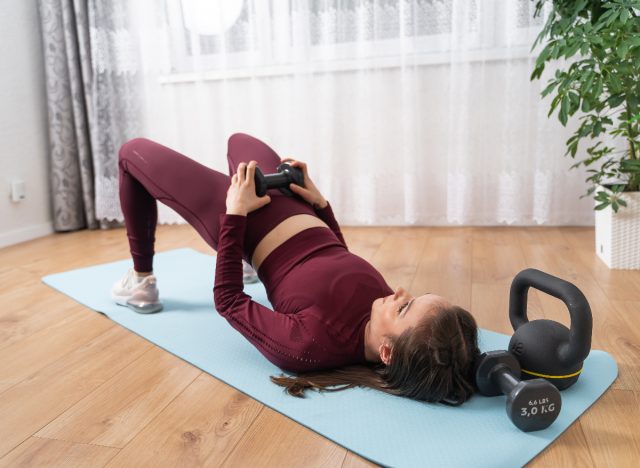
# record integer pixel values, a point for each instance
(25, 234)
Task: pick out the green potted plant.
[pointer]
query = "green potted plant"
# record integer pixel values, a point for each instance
(600, 41)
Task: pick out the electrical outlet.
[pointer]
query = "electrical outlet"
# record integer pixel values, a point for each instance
(18, 190)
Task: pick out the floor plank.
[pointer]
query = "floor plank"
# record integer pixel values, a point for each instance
(22, 316)
(311, 449)
(399, 254)
(365, 242)
(36, 452)
(611, 429)
(444, 265)
(353, 460)
(570, 449)
(117, 410)
(497, 255)
(199, 428)
(31, 404)
(25, 357)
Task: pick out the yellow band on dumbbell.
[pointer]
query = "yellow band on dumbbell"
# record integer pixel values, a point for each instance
(551, 376)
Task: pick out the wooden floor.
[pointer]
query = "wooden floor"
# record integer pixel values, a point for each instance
(77, 389)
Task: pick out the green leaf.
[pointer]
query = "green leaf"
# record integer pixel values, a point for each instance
(597, 129)
(537, 72)
(602, 206)
(549, 88)
(584, 48)
(602, 196)
(614, 16)
(622, 50)
(571, 50)
(574, 102)
(562, 116)
(615, 100)
(588, 80)
(624, 16)
(554, 104)
(599, 86)
(564, 107)
(544, 55)
(630, 165)
(602, 21)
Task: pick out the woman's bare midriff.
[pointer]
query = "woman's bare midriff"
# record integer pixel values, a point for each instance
(282, 232)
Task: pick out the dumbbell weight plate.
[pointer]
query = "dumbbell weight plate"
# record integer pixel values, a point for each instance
(533, 405)
(295, 174)
(488, 363)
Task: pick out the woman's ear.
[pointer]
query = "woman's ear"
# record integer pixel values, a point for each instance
(385, 353)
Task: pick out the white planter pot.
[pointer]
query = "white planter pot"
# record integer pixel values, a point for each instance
(618, 234)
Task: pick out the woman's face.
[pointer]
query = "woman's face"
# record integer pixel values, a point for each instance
(393, 314)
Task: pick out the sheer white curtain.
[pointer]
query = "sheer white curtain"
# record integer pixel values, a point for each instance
(406, 111)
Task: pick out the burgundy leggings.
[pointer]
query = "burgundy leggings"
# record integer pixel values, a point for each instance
(149, 171)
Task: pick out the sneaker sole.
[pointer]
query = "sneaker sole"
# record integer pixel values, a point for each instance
(142, 308)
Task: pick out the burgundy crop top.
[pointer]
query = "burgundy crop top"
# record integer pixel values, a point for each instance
(322, 296)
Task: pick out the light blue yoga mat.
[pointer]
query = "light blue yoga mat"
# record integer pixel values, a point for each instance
(388, 430)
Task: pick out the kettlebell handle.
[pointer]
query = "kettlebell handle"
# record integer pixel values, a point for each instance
(579, 345)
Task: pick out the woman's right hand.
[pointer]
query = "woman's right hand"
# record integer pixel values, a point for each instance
(241, 195)
(309, 192)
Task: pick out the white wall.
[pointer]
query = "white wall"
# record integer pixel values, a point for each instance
(23, 124)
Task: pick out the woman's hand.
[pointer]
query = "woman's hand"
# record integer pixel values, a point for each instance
(241, 196)
(309, 192)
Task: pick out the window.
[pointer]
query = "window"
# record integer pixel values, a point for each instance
(249, 37)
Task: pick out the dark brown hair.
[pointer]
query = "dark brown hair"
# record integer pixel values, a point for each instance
(432, 362)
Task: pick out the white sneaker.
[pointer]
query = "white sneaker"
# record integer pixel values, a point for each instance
(139, 294)
(249, 275)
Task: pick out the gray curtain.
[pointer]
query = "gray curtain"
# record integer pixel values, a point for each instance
(92, 82)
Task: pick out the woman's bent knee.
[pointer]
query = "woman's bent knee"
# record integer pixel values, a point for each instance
(237, 138)
(129, 146)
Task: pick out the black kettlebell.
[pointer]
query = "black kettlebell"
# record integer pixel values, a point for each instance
(287, 174)
(546, 348)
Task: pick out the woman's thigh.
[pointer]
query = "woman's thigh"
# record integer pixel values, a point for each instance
(196, 192)
(244, 148)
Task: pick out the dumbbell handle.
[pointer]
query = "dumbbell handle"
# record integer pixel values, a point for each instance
(276, 180)
(286, 175)
(505, 379)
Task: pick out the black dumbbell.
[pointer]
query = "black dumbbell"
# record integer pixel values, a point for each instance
(532, 405)
(286, 175)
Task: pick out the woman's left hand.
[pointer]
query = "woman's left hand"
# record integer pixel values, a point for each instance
(241, 196)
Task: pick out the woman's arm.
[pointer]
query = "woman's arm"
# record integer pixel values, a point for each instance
(326, 214)
(281, 338)
(311, 194)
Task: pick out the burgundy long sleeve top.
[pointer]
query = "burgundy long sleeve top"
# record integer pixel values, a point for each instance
(322, 295)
